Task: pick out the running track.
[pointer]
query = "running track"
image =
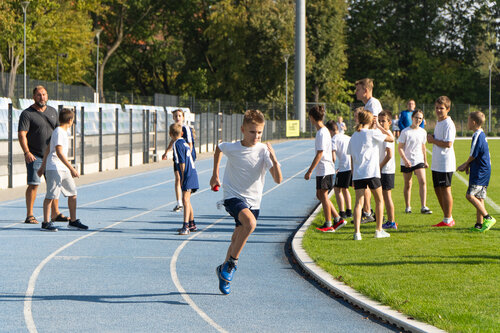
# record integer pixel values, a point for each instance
(132, 273)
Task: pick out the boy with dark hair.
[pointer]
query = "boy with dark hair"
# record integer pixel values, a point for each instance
(325, 170)
(59, 173)
(247, 163)
(478, 166)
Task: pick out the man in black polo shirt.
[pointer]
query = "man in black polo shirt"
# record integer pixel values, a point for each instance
(36, 124)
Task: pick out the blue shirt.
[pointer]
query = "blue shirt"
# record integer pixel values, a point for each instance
(405, 120)
(182, 155)
(480, 168)
(187, 134)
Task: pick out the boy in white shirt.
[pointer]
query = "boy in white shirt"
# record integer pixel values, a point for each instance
(247, 163)
(341, 127)
(59, 173)
(387, 171)
(325, 170)
(443, 159)
(343, 178)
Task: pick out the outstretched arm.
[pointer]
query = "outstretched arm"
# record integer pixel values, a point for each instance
(215, 173)
(164, 156)
(275, 169)
(314, 163)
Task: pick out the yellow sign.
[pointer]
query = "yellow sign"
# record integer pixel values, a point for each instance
(292, 128)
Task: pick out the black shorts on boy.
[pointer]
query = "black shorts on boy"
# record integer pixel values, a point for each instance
(343, 179)
(372, 183)
(441, 179)
(324, 182)
(235, 205)
(405, 169)
(387, 181)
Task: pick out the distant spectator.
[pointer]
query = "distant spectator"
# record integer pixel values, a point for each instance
(405, 116)
(341, 125)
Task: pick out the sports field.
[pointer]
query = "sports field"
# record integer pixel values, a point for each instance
(447, 277)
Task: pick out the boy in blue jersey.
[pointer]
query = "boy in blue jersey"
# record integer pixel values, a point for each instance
(184, 162)
(478, 167)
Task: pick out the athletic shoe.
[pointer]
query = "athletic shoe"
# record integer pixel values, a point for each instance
(339, 224)
(193, 228)
(76, 224)
(488, 223)
(382, 234)
(227, 270)
(408, 210)
(184, 231)
(357, 236)
(425, 210)
(48, 226)
(343, 215)
(365, 218)
(326, 228)
(224, 286)
(443, 224)
(477, 227)
(177, 208)
(348, 213)
(390, 225)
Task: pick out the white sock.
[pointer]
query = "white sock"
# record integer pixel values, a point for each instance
(179, 202)
(448, 219)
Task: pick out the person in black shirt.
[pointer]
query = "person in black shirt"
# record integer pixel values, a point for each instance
(36, 125)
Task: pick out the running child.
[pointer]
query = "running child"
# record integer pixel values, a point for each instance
(184, 161)
(325, 170)
(387, 171)
(478, 166)
(443, 159)
(364, 151)
(188, 135)
(59, 173)
(413, 154)
(247, 162)
(343, 178)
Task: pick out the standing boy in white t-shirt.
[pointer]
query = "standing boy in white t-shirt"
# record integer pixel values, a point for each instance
(247, 163)
(387, 171)
(443, 159)
(59, 173)
(325, 170)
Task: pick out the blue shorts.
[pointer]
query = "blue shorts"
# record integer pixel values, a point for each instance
(31, 169)
(235, 205)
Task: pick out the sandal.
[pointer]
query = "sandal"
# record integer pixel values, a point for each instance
(60, 218)
(31, 220)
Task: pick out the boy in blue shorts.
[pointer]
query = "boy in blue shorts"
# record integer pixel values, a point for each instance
(478, 166)
(184, 162)
(247, 163)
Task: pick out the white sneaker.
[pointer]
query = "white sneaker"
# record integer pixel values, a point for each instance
(408, 210)
(357, 236)
(382, 234)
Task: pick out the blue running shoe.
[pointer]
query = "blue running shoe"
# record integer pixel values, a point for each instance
(224, 286)
(227, 271)
(390, 225)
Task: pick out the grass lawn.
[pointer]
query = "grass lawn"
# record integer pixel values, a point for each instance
(447, 277)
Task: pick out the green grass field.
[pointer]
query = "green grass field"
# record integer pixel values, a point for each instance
(447, 277)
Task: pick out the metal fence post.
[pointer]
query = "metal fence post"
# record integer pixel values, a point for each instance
(199, 134)
(208, 127)
(166, 128)
(117, 124)
(10, 151)
(131, 141)
(82, 141)
(100, 139)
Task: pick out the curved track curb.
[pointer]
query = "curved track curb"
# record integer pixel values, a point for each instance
(349, 294)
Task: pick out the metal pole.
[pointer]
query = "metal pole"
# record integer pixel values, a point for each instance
(166, 128)
(117, 123)
(96, 98)
(131, 142)
(25, 7)
(82, 142)
(286, 87)
(10, 152)
(57, 78)
(100, 139)
(300, 63)
(489, 102)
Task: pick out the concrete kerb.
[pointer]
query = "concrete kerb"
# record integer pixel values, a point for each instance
(347, 293)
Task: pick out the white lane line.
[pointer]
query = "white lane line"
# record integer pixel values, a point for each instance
(28, 298)
(487, 199)
(173, 262)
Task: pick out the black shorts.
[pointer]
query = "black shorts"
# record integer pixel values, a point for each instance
(372, 183)
(387, 181)
(405, 169)
(176, 168)
(324, 182)
(343, 179)
(235, 205)
(441, 179)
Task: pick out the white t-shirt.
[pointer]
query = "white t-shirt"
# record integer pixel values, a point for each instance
(339, 145)
(413, 139)
(59, 138)
(443, 159)
(340, 127)
(323, 142)
(364, 150)
(373, 105)
(245, 172)
(390, 166)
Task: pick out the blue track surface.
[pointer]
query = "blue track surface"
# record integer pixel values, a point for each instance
(132, 273)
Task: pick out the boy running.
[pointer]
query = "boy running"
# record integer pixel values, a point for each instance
(247, 162)
(478, 166)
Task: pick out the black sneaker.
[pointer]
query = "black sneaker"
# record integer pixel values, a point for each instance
(193, 228)
(48, 226)
(348, 213)
(76, 224)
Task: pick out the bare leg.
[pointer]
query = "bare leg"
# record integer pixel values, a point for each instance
(47, 203)
(72, 207)
(407, 188)
(479, 205)
(241, 233)
(178, 190)
(30, 199)
(445, 200)
(347, 197)
(367, 204)
(358, 206)
(439, 195)
(379, 206)
(188, 209)
(420, 173)
(389, 205)
(55, 208)
(340, 198)
(322, 196)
